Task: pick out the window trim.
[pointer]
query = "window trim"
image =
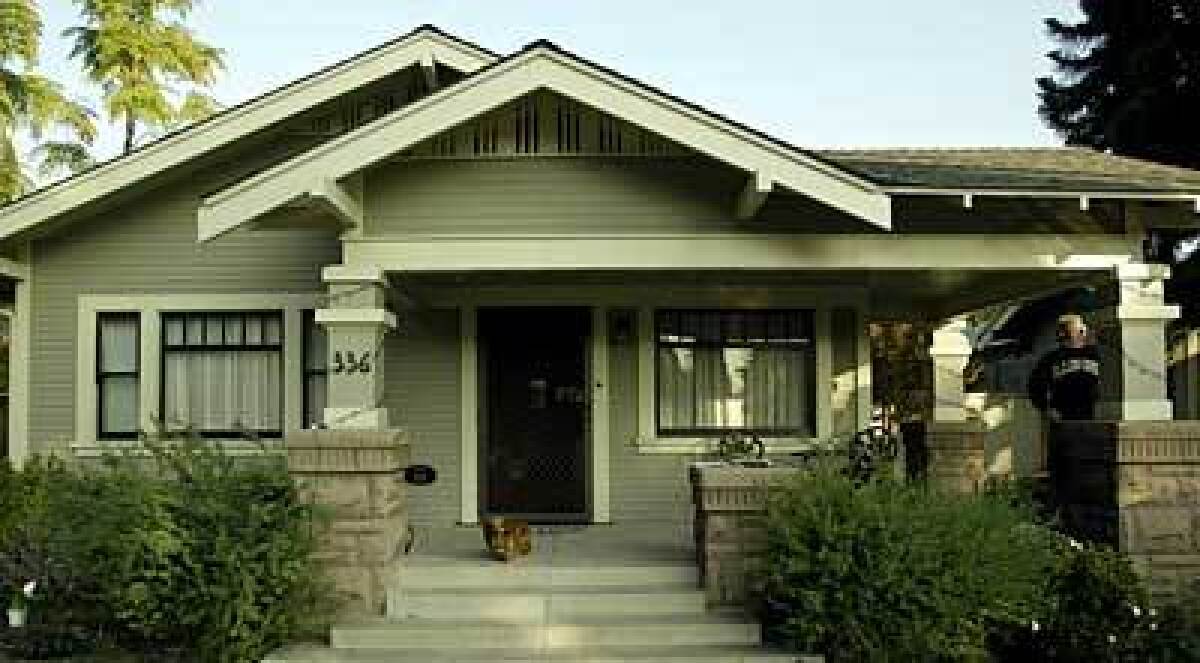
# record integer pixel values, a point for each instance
(85, 443)
(808, 319)
(165, 347)
(308, 319)
(101, 374)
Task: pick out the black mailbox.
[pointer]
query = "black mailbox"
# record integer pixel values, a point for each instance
(420, 475)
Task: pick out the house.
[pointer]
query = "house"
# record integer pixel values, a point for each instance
(563, 283)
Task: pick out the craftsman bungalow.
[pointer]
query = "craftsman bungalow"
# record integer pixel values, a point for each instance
(563, 283)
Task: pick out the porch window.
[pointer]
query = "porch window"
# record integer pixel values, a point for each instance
(735, 371)
(117, 374)
(316, 372)
(222, 372)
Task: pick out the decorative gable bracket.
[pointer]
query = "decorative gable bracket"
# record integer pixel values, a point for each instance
(753, 196)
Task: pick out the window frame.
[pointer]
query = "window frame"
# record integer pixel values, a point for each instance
(308, 320)
(101, 374)
(808, 325)
(203, 314)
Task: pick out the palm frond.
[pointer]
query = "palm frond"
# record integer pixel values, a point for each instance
(54, 158)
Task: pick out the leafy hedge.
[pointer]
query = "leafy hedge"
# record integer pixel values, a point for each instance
(188, 549)
(888, 571)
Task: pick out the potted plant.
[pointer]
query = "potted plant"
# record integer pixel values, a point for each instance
(18, 604)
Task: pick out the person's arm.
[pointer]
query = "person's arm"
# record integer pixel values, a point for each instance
(1039, 383)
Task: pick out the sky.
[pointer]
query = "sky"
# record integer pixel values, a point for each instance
(817, 73)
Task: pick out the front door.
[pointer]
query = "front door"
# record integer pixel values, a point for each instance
(534, 414)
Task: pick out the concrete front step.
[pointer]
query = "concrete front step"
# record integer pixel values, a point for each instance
(467, 634)
(617, 654)
(520, 575)
(509, 605)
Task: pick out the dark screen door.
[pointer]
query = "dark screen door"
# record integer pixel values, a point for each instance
(536, 403)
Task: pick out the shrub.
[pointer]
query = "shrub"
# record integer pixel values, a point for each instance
(188, 548)
(897, 572)
(1100, 611)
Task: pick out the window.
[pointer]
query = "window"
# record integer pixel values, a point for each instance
(118, 343)
(222, 372)
(316, 372)
(743, 371)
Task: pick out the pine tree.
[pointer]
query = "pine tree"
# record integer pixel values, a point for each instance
(1128, 79)
(34, 105)
(151, 67)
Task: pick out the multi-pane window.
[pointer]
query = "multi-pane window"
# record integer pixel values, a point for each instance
(222, 372)
(316, 372)
(117, 374)
(725, 371)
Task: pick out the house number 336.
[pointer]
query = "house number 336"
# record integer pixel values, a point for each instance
(351, 362)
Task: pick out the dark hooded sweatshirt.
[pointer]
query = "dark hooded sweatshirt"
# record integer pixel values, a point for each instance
(1067, 380)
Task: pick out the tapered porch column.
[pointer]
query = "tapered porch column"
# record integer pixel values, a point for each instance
(356, 321)
(950, 351)
(1132, 337)
(954, 444)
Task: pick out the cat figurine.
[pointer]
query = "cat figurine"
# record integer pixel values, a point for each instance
(506, 538)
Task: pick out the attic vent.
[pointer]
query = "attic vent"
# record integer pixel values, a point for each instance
(569, 124)
(608, 135)
(486, 139)
(651, 144)
(525, 127)
(443, 145)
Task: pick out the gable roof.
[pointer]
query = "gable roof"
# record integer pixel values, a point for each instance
(422, 45)
(1065, 169)
(544, 65)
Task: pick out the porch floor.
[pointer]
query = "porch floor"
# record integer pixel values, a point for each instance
(642, 543)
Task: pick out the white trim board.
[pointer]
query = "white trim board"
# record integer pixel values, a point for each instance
(21, 338)
(543, 67)
(742, 252)
(149, 307)
(420, 46)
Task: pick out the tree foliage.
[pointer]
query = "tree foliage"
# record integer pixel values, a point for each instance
(151, 66)
(33, 104)
(1128, 79)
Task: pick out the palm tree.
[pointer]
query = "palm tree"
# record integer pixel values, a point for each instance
(34, 105)
(139, 51)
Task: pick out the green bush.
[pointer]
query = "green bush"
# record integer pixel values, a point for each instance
(1099, 612)
(187, 548)
(898, 572)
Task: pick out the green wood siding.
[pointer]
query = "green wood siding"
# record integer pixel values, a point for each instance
(530, 195)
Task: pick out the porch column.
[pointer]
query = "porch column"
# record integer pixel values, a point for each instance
(355, 321)
(1133, 347)
(956, 446)
(950, 351)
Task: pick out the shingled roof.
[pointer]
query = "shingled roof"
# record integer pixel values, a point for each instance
(1030, 169)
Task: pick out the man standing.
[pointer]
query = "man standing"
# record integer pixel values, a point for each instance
(1065, 382)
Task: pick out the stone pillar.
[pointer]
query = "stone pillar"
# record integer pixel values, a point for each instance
(1134, 485)
(355, 320)
(355, 474)
(1132, 340)
(956, 447)
(730, 528)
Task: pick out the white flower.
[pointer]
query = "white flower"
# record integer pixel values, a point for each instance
(1153, 626)
(1153, 612)
(1076, 545)
(29, 587)
(1137, 612)
(1112, 639)
(1035, 626)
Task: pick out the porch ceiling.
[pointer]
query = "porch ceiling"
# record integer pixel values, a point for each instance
(887, 293)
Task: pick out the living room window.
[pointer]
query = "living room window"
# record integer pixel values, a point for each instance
(735, 371)
(222, 372)
(118, 372)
